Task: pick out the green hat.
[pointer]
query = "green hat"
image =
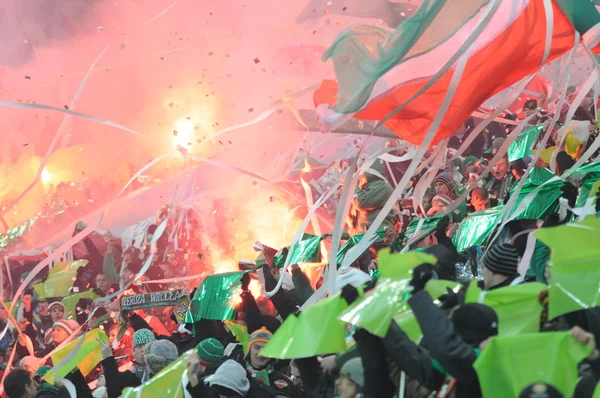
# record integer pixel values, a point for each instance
(210, 351)
(143, 337)
(42, 370)
(469, 160)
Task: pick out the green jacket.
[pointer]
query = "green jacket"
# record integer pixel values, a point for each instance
(368, 202)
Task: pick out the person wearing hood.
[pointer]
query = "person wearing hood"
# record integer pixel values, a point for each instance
(261, 368)
(500, 264)
(450, 346)
(229, 381)
(352, 379)
(158, 355)
(372, 192)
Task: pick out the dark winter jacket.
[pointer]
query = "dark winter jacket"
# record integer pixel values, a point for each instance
(117, 381)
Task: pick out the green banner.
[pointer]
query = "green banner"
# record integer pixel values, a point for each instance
(509, 364)
(546, 199)
(522, 145)
(518, 307)
(215, 298)
(476, 228)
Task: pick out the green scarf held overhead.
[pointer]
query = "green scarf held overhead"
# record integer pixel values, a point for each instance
(509, 364)
(546, 199)
(518, 307)
(575, 276)
(214, 298)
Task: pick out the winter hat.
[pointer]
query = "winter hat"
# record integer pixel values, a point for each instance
(143, 337)
(69, 326)
(353, 369)
(497, 144)
(502, 259)
(159, 354)
(475, 322)
(46, 387)
(444, 199)
(469, 160)
(261, 335)
(232, 376)
(445, 177)
(210, 351)
(30, 362)
(54, 304)
(540, 390)
(99, 392)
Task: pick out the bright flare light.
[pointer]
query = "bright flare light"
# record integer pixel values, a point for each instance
(46, 176)
(184, 132)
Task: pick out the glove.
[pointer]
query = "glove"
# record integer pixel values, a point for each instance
(421, 275)
(349, 293)
(245, 281)
(449, 300)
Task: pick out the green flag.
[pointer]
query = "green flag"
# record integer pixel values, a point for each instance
(518, 307)
(86, 357)
(317, 331)
(353, 241)
(215, 298)
(399, 266)
(521, 146)
(509, 364)
(428, 227)
(166, 383)
(546, 199)
(575, 277)
(60, 279)
(476, 228)
(590, 173)
(70, 302)
(240, 332)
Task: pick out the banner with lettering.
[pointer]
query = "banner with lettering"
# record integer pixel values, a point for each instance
(179, 299)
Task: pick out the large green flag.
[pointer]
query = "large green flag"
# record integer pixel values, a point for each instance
(476, 228)
(575, 277)
(546, 199)
(509, 364)
(70, 302)
(590, 173)
(166, 383)
(518, 307)
(240, 332)
(399, 266)
(60, 279)
(415, 235)
(521, 146)
(215, 298)
(85, 356)
(317, 331)
(353, 241)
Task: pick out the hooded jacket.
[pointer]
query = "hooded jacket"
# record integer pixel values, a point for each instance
(369, 200)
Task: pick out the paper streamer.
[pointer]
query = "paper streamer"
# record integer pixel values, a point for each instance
(56, 137)
(161, 14)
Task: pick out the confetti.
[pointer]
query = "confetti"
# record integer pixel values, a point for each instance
(28, 77)
(199, 256)
(272, 199)
(66, 107)
(216, 211)
(122, 46)
(250, 110)
(171, 104)
(256, 60)
(25, 144)
(175, 133)
(210, 53)
(344, 9)
(229, 141)
(403, 14)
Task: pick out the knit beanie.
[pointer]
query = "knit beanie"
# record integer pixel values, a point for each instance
(469, 160)
(540, 390)
(159, 354)
(143, 337)
(56, 303)
(502, 259)
(475, 322)
(353, 369)
(232, 376)
(210, 351)
(444, 199)
(46, 388)
(69, 326)
(447, 178)
(261, 335)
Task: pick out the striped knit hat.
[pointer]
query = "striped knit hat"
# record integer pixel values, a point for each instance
(69, 326)
(502, 259)
(262, 335)
(445, 177)
(444, 199)
(209, 351)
